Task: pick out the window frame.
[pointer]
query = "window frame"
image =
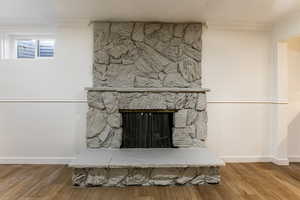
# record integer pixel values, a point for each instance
(14, 43)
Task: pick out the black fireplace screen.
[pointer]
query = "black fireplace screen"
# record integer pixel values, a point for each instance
(147, 129)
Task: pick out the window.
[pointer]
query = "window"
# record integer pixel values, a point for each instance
(26, 45)
(27, 48)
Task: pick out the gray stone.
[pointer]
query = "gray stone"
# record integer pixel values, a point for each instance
(191, 52)
(96, 177)
(191, 100)
(99, 72)
(101, 35)
(202, 102)
(163, 182)
(193, 33)
(138, 32)
(79, 177)
(189, 69)
(123, 29)
(116, 60)
(212, 179)
(146, 82)
(150, 28)
(119, 47)
(95, 100)
(181, 138)
(179, 30)
(199, 180)
(101, 57)
(114, 49)
(136, 177)
(191, 117)
(161, 77)
(165, 34)
(175, 80)
(144, 176)
(164, 173)
(180, 101)
(157, 60)
(116, 176)
(144, 69)
(152, 39)
(149, 101)
(180, 118)
(114, 120)
(110, 102)
(146, 55)
(116, 141)
(201, 125)
(187, 175)
(104, 134)
(167, 50)
(171, 68)
(125, 99)
(96, 122)
(93, 143)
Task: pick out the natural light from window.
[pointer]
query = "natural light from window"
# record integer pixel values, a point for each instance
(27, 48)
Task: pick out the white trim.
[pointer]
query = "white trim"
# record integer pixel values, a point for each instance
(36, 160)
(250, 101)
(85, 101)
(239, 25)
(43, 101)
(282, 162)
(294, 158)
(246, 159)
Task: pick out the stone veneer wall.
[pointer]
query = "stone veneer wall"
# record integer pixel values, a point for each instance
(146, 55)
(104, 119)
(145, 176)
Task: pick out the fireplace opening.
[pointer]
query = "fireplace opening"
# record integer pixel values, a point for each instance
(147, 129)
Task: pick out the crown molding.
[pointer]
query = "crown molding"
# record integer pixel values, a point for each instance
(239, 25)
(81, 22)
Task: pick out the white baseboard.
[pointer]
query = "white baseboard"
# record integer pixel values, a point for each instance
(294, 158)
(246, 159)
(277, 161)
(36, 160)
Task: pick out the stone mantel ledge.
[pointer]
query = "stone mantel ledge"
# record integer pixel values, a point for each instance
(155, 90)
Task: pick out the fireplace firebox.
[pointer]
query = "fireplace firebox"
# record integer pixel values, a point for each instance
(147, 129)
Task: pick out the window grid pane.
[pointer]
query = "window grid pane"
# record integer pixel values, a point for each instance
(26, 48)
(46, 48)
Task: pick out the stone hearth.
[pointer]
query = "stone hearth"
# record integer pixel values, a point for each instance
(122, 167)
(146, 66)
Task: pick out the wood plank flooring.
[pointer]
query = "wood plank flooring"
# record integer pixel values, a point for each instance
(251, 181)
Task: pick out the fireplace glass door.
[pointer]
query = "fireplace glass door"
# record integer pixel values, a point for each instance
(147, 129)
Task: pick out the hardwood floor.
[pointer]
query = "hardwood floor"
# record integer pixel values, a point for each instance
(251, 181)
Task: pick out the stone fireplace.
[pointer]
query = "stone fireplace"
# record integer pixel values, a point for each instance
(146, 99)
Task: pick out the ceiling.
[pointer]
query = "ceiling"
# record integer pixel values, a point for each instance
(50, 11)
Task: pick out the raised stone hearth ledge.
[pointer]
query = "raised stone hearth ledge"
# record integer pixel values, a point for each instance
(145, 158)
(124, 167)
(174, 90)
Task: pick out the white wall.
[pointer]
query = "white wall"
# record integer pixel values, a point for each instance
(42, 107)
(236, 67)
(294, 98)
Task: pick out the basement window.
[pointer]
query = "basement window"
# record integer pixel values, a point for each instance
(30, 48)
